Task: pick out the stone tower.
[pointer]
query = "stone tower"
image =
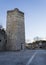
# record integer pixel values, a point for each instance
(15, 30)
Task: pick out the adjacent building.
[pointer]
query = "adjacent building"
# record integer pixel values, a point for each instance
(3, 39)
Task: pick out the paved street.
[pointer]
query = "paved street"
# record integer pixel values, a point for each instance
(26, 57)
(39, 58)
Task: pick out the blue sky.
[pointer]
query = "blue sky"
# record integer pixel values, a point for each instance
(35, 16)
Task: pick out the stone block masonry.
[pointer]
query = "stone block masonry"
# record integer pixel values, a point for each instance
(15, 30)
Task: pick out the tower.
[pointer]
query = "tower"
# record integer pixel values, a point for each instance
(15, 30)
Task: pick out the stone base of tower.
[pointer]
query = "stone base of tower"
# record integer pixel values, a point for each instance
(14, 46)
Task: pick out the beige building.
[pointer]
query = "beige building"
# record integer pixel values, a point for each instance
(15, 30)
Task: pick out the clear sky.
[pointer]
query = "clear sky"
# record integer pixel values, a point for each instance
(35, 15)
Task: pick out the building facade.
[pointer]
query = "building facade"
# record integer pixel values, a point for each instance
(3, 39)
(15, 30)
